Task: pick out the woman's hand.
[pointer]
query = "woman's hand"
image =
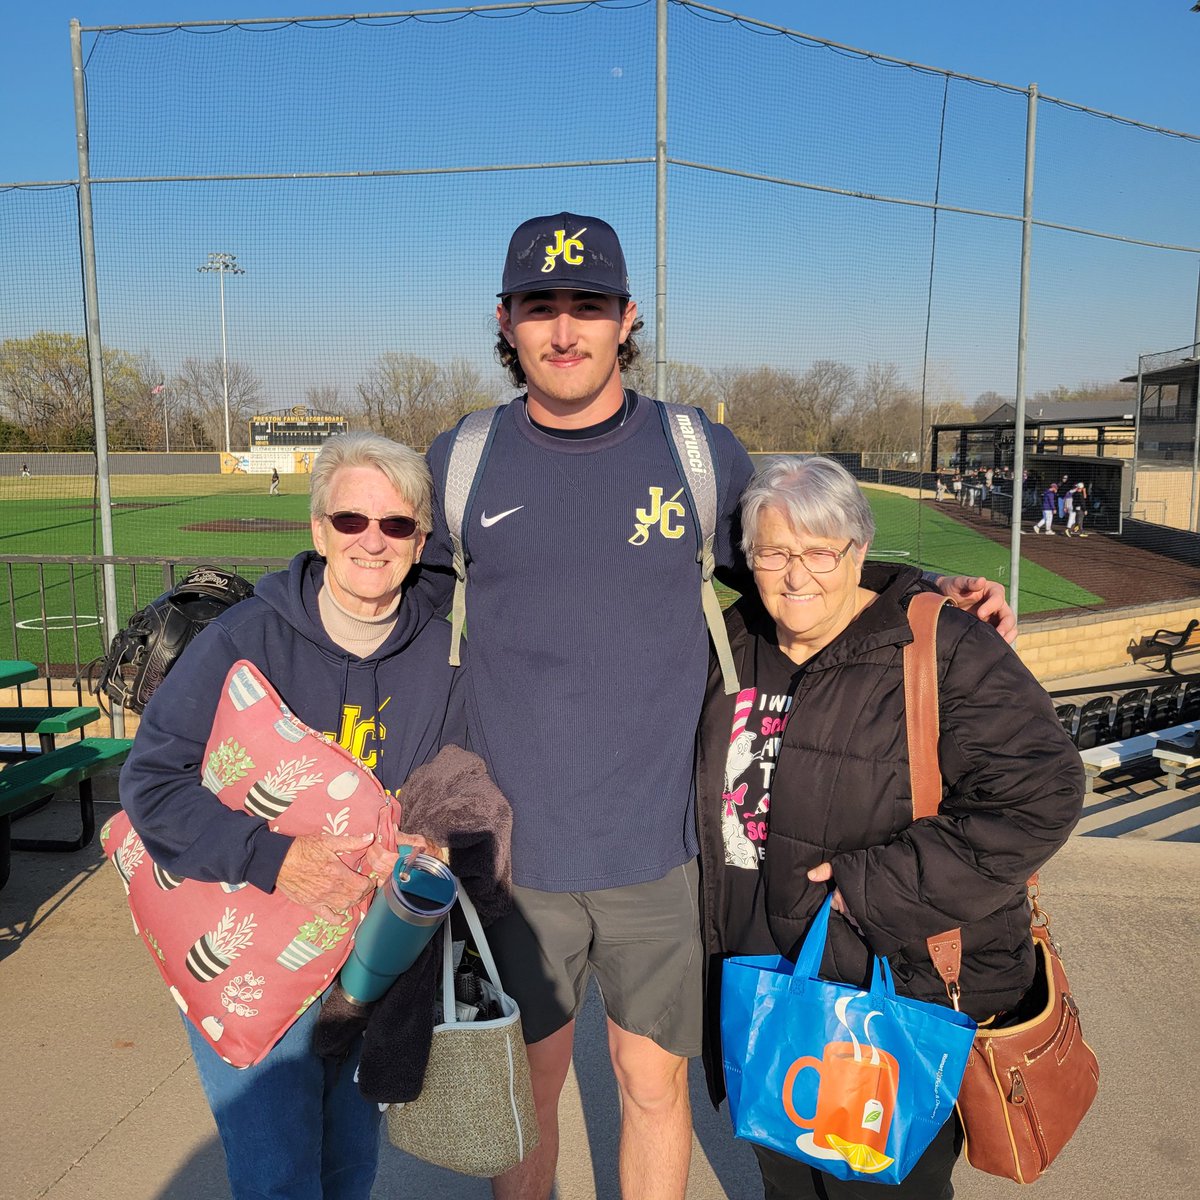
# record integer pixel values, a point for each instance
(379, 862)
(823, 873)
(313, 874)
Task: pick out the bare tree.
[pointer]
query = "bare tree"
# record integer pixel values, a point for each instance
(825, 399)
(1088, 392)
(694, 385)
(325, 398)
(887, 417)
(986, 403)
(465, 390)
(412, 399)
(198, 393)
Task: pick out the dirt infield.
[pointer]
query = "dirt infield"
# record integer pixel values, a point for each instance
(1124, 575)
(248, 525)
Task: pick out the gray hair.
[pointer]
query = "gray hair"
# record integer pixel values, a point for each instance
(403, 468)
(816, 495)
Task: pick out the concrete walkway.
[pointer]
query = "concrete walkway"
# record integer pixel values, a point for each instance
(100, 1099)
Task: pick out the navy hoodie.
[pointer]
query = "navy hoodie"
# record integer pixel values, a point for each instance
(393, 710)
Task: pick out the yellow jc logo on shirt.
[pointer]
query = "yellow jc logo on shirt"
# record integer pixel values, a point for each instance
(660, 512)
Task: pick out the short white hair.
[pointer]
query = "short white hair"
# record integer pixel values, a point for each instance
(403, 468)
(816, 495)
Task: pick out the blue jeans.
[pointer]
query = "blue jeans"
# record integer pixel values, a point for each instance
(294, 1127)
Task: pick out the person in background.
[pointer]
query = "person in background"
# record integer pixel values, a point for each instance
(1077, 500)
(803, 786)
(341, 638)
(274, 482)
(1049, 507)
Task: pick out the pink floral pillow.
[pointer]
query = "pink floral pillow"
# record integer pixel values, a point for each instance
(243, 964)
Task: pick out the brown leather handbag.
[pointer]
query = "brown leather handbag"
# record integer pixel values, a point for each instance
(1030, 1077)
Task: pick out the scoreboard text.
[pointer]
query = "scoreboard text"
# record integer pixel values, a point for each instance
(296, 427)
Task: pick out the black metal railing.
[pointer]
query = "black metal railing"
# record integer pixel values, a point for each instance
(52, 606)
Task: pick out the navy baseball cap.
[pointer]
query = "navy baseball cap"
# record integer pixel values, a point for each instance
(565, 252)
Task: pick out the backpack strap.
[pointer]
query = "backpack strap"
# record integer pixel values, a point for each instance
(468, 453)
(687, 435)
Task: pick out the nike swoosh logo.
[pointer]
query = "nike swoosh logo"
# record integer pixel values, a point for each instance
(487, 522)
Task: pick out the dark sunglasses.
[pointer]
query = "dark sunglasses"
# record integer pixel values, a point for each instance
(353, 522)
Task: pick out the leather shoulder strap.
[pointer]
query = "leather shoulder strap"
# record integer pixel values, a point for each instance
(921, 703)
(921, 719)
(925, 773)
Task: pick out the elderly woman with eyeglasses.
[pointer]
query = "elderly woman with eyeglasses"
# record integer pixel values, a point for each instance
(352, 651)
(803, 785)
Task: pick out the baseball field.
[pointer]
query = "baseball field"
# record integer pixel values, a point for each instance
(231, 518)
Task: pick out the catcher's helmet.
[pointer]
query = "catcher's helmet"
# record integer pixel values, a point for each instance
(145, 650)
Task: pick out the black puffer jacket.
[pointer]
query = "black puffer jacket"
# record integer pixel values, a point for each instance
(841, 793)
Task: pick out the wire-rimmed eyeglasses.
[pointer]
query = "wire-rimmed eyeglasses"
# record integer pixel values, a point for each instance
(817, 560)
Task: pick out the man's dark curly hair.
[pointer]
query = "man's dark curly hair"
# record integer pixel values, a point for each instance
(506, 355)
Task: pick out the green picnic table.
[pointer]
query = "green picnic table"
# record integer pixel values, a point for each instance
(47, 721)
(32, 778)
(16, 670)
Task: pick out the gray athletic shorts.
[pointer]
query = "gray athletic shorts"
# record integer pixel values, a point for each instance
(642, 942)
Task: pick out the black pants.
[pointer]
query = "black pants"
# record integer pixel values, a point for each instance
(789, 1179)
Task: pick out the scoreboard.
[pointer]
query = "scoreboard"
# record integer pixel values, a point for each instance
(295, 427)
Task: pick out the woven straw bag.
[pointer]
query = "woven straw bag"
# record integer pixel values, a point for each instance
(475, 1113)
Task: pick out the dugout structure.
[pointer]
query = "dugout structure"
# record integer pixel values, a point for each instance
(1100, 430)
(1168, 438)
(1109, 483)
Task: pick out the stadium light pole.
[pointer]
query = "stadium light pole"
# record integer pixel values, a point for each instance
(223, 264)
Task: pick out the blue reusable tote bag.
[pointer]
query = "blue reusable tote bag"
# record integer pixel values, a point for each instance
(855, 1083)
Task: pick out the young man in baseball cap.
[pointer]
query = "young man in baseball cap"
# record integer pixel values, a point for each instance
(589, 655)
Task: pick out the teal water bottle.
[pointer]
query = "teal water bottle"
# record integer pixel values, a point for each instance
(402, 918)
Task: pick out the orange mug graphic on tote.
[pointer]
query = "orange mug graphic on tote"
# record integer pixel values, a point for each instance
(856, 1099)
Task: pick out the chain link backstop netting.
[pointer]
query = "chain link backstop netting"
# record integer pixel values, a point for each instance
(314, 214)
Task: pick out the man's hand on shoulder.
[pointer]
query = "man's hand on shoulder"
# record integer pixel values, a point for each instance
(984, 599)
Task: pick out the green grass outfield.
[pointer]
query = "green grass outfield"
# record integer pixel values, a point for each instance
(948, 547)
(152, 516)
(923, 537)
(54, 516)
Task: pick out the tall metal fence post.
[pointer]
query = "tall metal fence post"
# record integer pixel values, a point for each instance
(1137, 435)
(91, 308)
(1014, 590)
(1195, 423)
(660, 201)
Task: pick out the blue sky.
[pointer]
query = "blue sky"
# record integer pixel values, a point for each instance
(1136, 58)
(1096, 305)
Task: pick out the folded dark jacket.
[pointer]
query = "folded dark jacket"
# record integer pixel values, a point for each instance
(454, 801)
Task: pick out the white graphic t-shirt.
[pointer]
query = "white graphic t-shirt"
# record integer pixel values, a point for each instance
(759, 717)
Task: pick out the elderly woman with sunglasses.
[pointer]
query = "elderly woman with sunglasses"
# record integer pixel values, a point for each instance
(352, 651)
(803, 785)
